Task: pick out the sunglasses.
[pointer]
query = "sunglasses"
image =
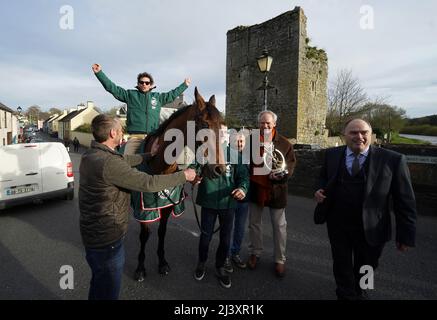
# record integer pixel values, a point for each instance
(144, 82)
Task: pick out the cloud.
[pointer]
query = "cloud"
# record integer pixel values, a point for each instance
(174, 39)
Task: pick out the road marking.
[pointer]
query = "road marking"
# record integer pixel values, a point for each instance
(193, 233)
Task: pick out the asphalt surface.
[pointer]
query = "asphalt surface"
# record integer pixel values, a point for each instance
(36, 240)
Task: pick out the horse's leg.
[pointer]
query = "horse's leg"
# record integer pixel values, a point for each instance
(164, 267)
(140, 272)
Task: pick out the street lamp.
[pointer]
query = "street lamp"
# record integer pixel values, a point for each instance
(264, 64)
(19, 110)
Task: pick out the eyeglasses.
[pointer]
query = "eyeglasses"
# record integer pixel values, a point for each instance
(144, 82)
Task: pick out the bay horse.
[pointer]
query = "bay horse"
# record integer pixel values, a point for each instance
(206, 116)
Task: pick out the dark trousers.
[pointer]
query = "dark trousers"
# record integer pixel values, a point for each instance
(241, 213)
(208, 219)
(106, 265)
(350, 251)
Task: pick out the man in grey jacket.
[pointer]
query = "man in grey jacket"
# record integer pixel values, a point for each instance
(106, 178)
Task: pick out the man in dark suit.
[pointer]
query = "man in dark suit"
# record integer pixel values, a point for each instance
(360, 184)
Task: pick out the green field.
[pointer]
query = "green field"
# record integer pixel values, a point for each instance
(396, 139)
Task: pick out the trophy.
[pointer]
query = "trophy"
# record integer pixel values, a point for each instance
(274, 160)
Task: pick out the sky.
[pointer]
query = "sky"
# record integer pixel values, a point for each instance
(46, 49)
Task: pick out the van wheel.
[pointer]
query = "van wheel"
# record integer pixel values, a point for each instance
(69, 196)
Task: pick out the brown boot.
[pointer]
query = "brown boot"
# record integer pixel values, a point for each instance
(252, 262)
(280, 270)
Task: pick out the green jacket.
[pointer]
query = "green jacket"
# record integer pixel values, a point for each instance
(216, 193)
(143, 109)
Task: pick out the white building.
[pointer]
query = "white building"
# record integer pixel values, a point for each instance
(9, 128)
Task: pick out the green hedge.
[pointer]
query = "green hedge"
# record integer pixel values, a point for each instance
(424, 130)
(84, 128)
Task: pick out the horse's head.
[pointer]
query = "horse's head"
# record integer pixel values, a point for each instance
(205, 116)
(208, 117)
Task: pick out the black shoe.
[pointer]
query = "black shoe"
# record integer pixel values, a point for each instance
(228, 265)
(238, 262)
(200, 271)
(223, 277)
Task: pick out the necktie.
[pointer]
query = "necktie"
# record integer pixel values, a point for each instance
(355, 165)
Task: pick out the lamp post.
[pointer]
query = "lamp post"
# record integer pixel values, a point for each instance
(389, 126)
(19, 115)
(264, 64)
(20, 130)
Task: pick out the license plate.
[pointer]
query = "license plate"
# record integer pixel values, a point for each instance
(21, 190)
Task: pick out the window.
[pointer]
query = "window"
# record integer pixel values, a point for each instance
(313, 86)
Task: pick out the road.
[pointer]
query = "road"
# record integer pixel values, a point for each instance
(36, 240)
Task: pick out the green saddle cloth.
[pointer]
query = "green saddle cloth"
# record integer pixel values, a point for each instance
(147, 206)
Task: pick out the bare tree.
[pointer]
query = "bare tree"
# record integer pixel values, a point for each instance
(385, 119)
(33, 113)
(346, 99)
(55, 110)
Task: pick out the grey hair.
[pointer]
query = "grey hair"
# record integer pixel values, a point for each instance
(275, 117)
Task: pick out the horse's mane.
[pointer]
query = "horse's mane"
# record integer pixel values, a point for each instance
(163, 126)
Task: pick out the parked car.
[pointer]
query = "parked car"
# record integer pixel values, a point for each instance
(33, 171)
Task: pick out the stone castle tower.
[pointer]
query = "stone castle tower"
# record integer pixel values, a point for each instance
(298, 74)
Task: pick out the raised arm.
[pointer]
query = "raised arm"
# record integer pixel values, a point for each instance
(119, 172)
(118, 92)
(170, 96)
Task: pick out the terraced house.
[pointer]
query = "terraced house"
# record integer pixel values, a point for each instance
(8, 126)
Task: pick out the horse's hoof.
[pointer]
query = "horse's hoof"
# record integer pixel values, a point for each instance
(140, 275)
(164, 268)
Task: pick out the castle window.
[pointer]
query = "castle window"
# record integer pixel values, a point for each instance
(313, 86)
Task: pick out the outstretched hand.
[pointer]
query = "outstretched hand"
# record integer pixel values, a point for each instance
(187, 82)
(190, 174)
(96, 67)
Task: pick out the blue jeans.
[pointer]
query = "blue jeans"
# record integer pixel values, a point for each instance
(239, 227)
(208, 219)
(106, 265)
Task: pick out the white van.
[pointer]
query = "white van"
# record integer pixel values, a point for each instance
(32, 171)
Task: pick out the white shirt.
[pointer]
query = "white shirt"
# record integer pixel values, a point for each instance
(350, 156)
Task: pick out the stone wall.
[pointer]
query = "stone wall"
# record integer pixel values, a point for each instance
(423, 175)
(312, 90)
(298, 75)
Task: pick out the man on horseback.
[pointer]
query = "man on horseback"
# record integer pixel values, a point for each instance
(143, 105)
(106, 178)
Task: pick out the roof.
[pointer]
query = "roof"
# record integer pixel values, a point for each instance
(56, 117)
(71, 115)
(3, 107)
